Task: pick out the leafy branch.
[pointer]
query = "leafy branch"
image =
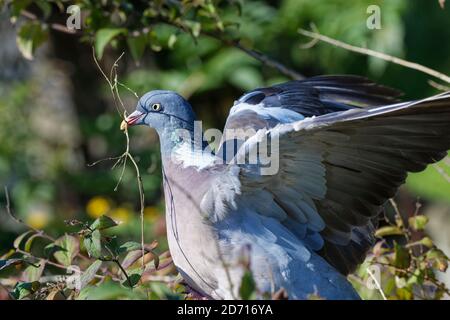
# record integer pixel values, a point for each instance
(61, 253)
(409, 259)
(114, 85)
(207, 21)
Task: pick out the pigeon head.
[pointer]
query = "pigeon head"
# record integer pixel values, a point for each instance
(162, 110)
(167, 112)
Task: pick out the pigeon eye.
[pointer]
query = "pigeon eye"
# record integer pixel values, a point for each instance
(156, 107)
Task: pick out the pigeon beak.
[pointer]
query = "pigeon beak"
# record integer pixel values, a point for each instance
(131, 120)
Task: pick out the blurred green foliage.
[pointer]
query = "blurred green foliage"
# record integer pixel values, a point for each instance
(57, 115)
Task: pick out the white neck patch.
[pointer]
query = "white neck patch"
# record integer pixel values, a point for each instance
(187, 155)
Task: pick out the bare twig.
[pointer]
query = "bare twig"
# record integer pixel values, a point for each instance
(399, 216)
(438, 86)
(41, 233)
(54, 26)
(266, 60)
(395, 206)
(376, 54)
(113, 84)
(442, 172)
(124, 272)
(57, 265)
(437, 283)
(9, 211)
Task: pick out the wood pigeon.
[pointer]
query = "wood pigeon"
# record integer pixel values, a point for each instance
(344, 146)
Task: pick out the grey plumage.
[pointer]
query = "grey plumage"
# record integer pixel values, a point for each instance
(345, 146)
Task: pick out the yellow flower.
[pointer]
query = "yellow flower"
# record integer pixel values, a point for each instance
(151, 213)
(121, 214)
(37, 219)
(97, 207)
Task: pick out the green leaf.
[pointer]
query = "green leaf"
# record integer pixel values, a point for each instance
(418, 222)
(402, 258)
(133, 278)
(17, 6)
(427, 242)
(136, 44)
(172, 40)
(400, 282)
(154, 41)
(104, 222)
(104, 36)
(246, 78)
(110, 290)
(388, 231)
(131, 258)
(51, 248)
(89, 273)
(93, 245)
(30, 36)
(24, 289)
(45, 7)
(34, 272)
(70, 248)
(113, 246)
(404, 294)
(160, 291)
(129, 246)
(30, 240)
(196, 29)
(248, 286)
(438, 259)
(20, 238)
(416, 278)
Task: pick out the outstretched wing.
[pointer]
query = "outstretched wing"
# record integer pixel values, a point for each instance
(336, 171)
(295, 100)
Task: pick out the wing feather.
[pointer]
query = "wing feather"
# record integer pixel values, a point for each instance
(339, 163)
(348, 164)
